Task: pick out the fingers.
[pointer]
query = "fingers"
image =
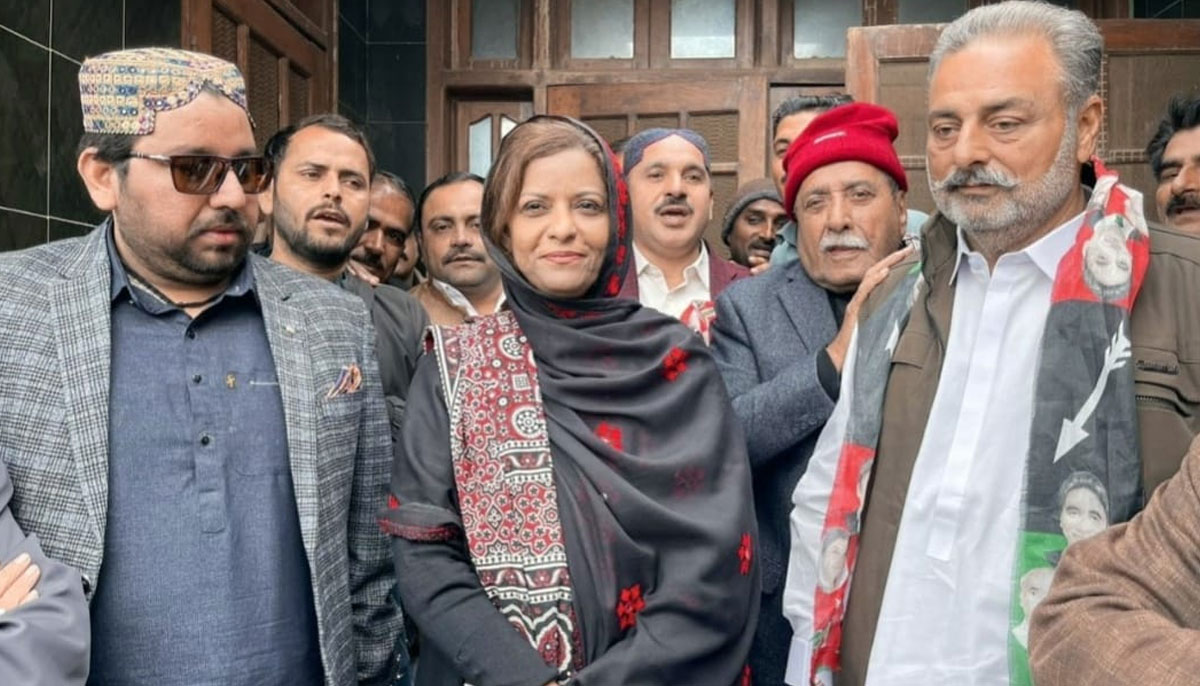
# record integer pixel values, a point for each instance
(20, 588)
(11, 571)
(362, 273)
(760, 268)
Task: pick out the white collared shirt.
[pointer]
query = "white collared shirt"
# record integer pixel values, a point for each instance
(460, 301)
(653, 290)
(946, 607)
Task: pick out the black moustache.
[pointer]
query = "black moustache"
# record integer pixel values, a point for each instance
(1179, 203)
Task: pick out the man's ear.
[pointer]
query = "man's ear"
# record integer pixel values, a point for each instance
(711, 196)
(101, 179)
(902, 205)
(1090, 119)
(266, 199)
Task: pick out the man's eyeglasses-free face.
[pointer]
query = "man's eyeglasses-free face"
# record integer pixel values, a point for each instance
(204, 174)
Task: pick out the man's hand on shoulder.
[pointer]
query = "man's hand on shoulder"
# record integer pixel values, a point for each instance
(875, 275)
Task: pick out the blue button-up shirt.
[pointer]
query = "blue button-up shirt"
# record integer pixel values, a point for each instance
(204, 579)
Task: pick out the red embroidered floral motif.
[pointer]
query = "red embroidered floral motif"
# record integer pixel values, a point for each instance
(745, 554)
(614, 285)
(622, 206)
(611, 435)
(629, 606)
(746, 680)
(675, 364)
(393, 502)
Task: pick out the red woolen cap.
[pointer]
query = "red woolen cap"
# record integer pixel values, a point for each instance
(857, 131)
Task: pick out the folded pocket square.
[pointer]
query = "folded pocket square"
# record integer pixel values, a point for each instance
(348, 382)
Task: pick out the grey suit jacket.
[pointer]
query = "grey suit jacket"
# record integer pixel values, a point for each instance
(54, 385)
(768, 333)
(44, 641)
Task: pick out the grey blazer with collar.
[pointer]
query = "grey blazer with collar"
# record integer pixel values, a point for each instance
(54, 384)
(768, 333)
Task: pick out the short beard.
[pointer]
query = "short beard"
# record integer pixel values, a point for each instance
(1022, 211)
(181, 262)
(302, 246)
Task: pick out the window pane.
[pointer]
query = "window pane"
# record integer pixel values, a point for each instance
(506, 126)
(821, 26)
(494, 29)
(1166, 9)
(479, 146)
(601, 29)
(931, 11)
(702, 29)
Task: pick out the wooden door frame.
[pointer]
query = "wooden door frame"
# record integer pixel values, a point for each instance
(867, 46)
(448, 77)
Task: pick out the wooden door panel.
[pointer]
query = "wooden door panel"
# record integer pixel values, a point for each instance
(1145, 63)
(729, 113)
(284, 56)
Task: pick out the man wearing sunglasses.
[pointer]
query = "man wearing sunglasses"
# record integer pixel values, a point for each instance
(199, 433)
(319, 201)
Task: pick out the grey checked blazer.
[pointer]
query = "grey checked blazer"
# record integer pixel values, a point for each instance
(54, 385)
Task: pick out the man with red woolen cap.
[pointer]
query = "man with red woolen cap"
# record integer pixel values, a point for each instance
(780, 338)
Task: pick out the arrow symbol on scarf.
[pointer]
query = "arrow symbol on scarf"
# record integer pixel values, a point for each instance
(1073, 433)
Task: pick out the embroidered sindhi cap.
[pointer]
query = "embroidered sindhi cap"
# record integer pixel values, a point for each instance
(121, 92)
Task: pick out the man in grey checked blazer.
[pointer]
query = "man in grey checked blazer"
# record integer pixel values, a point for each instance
(185, 547)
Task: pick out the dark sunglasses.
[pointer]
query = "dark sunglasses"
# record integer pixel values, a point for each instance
(204, 174)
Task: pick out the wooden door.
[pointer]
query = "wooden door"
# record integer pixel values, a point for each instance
(285, 49)
(1145, 62)
(729, 113)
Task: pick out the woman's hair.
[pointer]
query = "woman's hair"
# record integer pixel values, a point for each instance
(535, 139)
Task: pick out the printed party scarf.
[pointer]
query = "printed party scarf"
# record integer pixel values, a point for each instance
(1083, 470)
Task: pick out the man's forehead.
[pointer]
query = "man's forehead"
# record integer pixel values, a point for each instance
(385, 198)
(674, 149)
(996, 68)
(764, 205)
(208, 125)
(455, 196)
(1184, 145)
(794, 124)
(322, 145)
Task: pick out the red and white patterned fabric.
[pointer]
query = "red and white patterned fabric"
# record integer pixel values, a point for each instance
(503, 470)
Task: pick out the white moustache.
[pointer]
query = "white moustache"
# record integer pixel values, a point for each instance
(833, 241)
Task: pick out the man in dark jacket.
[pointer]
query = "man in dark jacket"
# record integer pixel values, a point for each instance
(780, 337)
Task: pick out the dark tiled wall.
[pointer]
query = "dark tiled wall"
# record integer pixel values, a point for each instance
(42, 43)
(381, 74)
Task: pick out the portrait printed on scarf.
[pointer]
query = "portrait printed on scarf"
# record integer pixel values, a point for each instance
(833, 572)
(1107, 261)
(1035, 584)
(1083, 506)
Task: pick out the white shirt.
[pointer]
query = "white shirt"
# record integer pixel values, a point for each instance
(653, 290)
(946, 607)
(460, 301)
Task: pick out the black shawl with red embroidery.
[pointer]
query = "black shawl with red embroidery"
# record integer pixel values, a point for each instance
(652, 483)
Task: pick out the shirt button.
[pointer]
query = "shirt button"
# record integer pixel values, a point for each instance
(205, 439)
(197, 378)
(191, 333)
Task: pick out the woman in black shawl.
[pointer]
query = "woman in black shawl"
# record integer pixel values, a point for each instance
(571, 496)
